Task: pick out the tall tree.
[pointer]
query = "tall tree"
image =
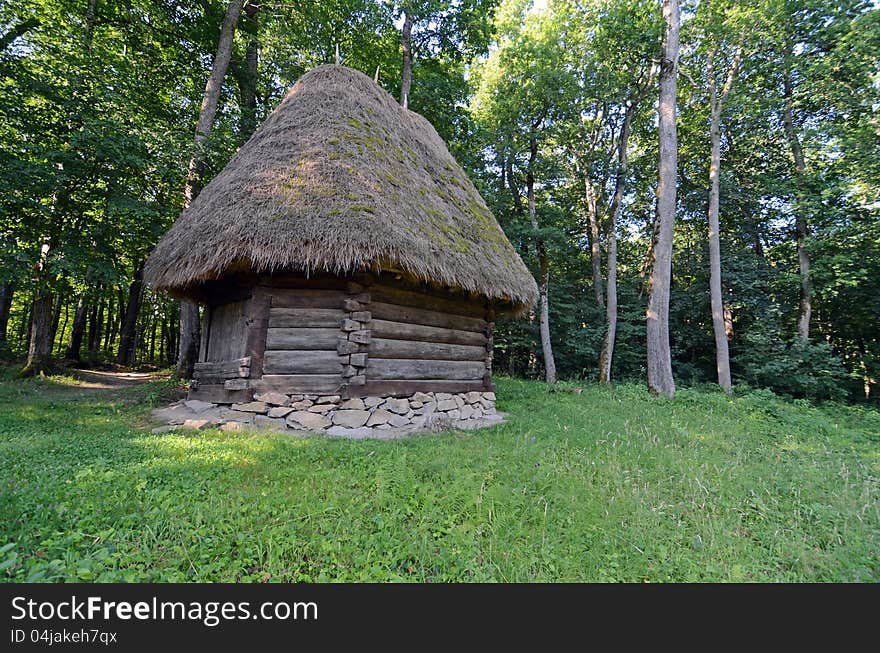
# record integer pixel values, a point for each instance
(716, 104)
(190, 330)
(659, 357)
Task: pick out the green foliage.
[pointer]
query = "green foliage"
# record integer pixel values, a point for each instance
(607, 485)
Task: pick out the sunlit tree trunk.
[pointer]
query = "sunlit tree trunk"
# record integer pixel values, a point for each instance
(659, 357)
(406, 67)
(607, 356)
(801, 227)
(595, 246)
(719, 323)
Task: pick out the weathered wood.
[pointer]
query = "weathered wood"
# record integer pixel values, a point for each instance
(406, 331)
(239, 368)
(217, 394)
(390, 348)
(307, 298)
(299, 280)
(257, 326)
(362, 337)
(299, 383)
(302, 362)
(227, 331)
(380, 369)
(237, 384)
(302, 338)
(456, 305)
(305, 317)
(405, 388)
(206, 333)
(412, 315)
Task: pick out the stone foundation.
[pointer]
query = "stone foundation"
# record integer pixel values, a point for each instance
(379, 417)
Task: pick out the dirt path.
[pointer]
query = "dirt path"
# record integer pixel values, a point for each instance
(95, 380)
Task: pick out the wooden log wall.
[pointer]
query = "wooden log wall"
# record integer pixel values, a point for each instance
(424, 341)
(302, 340)
(358, 337)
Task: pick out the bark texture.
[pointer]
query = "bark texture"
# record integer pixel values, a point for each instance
(659, 357)
(801, 226)
(719, 323)
(406, 68)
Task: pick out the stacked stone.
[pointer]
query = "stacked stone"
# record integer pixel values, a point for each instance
(353, 417)
(353, 344)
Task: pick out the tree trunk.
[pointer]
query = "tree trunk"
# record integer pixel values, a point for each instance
(544, 265)
(7, 290)
(127, 338)
(607, 355)
(189, 339)
(595, 246)
(719, 314)
(56, 319)
(246, 74)
(40, 342)
(801, 227)
(406, 68)
(96, 319)
(63, 328)
(660, 379)
(189, 312)
(74, 345)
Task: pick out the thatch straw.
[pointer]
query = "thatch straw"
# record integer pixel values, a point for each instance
(341, 178)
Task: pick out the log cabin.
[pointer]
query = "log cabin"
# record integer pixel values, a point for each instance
(343, 253)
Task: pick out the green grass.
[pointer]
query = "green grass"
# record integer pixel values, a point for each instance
(608, 485)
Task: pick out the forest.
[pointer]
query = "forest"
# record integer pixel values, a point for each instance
(695, 188)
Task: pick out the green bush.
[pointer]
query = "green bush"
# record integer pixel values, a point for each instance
(797, 369)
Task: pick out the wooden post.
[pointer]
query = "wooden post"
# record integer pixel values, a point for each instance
(490, 327)
(257, 329)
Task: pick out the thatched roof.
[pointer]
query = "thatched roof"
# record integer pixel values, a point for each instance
(342, 178)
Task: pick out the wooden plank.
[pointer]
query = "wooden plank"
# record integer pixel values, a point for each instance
(302, 338)
(257, 325)
(307, 298)
(217, 394)
(399, 313)
(206, 334)
(405, 331)
(390, 348)
(294, 280)
(305, 317)
(299, 383)
(239, 367)
(451, 304)
(228, 331)
(302, 362)
(381, 369)
(405, 388)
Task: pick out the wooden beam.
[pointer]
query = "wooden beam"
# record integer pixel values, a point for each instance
(398, 313)
(381, 369)
(307, 298)
(458, 306)
(390, 348)
(305, 317)
(217, 394)
(302, 362)
(302, 338)
(239, 368)
(257, 324)
(299, 383)
(405, 331)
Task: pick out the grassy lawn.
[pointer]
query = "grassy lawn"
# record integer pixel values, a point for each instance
(608, 485)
